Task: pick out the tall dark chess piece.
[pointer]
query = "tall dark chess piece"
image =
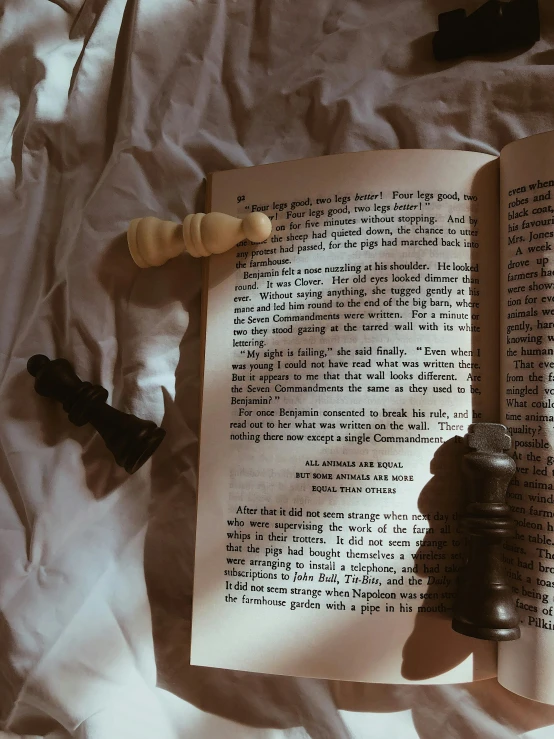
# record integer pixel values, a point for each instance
(130, 439)
(484, 607)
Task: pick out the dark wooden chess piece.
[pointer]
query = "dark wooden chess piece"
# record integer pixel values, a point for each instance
(495, 26)
(484, 606)
(131, 440)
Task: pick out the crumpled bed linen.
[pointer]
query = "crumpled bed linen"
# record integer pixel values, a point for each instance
(111, 110)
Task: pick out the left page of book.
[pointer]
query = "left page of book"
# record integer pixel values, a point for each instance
(344, 357)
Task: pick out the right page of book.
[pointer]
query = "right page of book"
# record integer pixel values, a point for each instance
(527, 396)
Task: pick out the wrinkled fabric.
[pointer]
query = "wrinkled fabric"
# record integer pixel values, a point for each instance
(111, 110)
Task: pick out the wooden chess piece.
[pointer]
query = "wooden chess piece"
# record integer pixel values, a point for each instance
(131, 440)
(152, 241)
(484, 606)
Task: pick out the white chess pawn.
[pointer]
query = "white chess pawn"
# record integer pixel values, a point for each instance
(153, 241)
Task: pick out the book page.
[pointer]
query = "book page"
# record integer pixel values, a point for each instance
(344, 359)
(527, 372)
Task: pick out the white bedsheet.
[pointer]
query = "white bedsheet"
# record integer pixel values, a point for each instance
(111, 110)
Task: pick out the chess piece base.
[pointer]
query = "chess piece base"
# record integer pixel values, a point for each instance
(481, 632)
(142, 452)
(132, 244)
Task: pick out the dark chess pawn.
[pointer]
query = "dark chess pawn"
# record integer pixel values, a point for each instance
(484, 607)
(131, 440)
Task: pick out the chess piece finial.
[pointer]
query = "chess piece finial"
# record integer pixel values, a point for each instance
(131, 440)
(484, 606)
(153, 241)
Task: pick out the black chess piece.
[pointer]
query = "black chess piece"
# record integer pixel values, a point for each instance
(484, 606)
(131, 440)
(496, 26)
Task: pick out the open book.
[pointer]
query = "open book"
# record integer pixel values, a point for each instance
(402, 296)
